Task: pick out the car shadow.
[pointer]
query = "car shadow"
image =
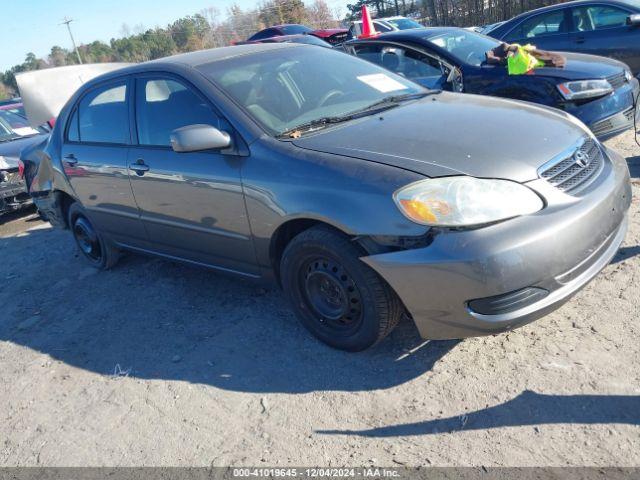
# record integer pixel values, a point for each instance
(153, 319)
(528, 408)
(625, 253)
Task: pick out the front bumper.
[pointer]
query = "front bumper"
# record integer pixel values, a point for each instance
(559, 249)
(611, 115)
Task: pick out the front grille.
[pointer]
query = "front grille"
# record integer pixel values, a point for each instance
(629, 114)
(602, 127)
(617, 80)
(576, 171)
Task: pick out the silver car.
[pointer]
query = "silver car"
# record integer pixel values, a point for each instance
(364, 195)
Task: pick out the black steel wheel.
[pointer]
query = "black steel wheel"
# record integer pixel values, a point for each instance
(91, 244)
(332, 294)
(337, 297)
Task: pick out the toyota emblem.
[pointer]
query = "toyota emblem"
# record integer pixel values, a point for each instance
(581, 158)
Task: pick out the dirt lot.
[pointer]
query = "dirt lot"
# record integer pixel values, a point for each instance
(155, 363)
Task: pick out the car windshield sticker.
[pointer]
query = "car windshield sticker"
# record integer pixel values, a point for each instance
(24, 131)
(382, 82)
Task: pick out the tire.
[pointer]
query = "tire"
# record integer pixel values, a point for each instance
(337, 297)
(93, 247)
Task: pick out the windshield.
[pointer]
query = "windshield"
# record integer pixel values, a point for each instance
(18, 124)
(403, 23)
(6, 133)
(467, 47)
(288, 87)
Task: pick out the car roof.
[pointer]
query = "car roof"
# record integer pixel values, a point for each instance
(574, 3)
(286, 25)
(414, 33)
(194, 59)
(382, 19)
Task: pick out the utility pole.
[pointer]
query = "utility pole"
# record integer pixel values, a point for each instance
(66, 22)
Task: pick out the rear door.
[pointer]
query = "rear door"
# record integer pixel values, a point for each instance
(602, 29)
(547, 31)
(191, 204)
(94, 158)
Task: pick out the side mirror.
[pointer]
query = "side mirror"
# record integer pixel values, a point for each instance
(633, 19)
(195, 138)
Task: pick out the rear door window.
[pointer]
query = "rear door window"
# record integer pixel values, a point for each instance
(103, 116)
(164, 104)
(550, 23)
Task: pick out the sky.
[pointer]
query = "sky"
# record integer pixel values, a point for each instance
(34, 25)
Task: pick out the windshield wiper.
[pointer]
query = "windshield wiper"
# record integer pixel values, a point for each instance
(394, 100)
(313, 125)
(384, 104)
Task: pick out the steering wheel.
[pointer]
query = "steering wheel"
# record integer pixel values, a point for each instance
(329, 95)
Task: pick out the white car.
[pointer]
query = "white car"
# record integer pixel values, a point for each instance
(384, 25)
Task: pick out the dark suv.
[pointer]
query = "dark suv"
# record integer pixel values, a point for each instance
(610, 28)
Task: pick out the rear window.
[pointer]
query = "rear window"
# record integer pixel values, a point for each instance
(404, 23)
(295, 29)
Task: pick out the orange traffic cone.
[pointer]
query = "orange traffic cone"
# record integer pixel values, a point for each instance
(368, 30)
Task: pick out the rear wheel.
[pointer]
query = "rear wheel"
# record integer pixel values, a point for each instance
(337, 297)
(98, 252)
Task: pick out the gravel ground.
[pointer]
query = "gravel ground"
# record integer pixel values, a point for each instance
(155, 363)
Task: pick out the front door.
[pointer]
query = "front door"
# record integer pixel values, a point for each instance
(192, 203)
(94, 158)
(417, 66)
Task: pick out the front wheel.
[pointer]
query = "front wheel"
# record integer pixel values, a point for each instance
(337, 297)
(94, 248)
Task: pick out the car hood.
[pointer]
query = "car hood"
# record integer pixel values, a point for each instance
(582, 67)
(10, 151)
(452, 134)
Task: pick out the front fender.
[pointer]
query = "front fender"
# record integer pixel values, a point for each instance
(284, 183)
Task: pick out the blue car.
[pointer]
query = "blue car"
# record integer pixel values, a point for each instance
(599, 91)
(610, 28)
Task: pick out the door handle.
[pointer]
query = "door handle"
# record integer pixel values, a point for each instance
(70, 159)
(580, 39)
(139, 167)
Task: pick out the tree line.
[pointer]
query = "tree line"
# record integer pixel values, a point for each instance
(457, 13)
(206, 29)
(210, 28)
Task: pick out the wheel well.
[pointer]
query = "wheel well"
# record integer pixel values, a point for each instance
(285, 233)
(65, 201)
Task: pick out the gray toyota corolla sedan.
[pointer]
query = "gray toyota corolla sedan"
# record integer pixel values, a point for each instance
(362, 194)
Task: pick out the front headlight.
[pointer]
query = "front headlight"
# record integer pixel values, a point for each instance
(628, 75)
(465, 201)
(584, 89)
